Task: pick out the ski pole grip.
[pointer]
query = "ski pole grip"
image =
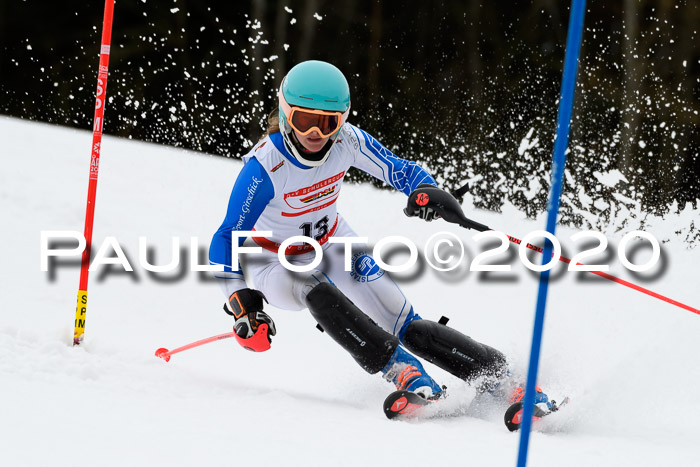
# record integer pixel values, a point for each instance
(443, 203)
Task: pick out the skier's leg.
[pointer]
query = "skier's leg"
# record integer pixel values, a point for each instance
(283, 288)
(367, 296)
(366, 284)
(371, 346)
(452, 351)
(377, 295)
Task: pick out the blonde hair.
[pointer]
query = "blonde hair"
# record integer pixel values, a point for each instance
(273, 124)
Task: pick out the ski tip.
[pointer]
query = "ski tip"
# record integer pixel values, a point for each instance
(401, 404)
(395, 406)
(163, 353)
(514, 416)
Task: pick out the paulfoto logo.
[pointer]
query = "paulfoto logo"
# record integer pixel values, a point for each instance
(439, 252)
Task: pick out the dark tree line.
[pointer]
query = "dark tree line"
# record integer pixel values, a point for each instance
(469, 88)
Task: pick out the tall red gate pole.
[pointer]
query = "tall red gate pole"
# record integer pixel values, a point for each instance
(81, 308)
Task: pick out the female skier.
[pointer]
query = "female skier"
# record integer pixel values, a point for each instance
(288, 187)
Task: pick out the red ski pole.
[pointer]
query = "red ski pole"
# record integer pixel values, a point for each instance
(81, 308)
(260, 341)
(451, 211)
(612, 278)
(165, 353)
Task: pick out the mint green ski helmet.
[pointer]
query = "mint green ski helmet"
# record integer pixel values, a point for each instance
(312, 85)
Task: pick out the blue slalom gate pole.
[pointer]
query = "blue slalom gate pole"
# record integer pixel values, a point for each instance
(568, 85)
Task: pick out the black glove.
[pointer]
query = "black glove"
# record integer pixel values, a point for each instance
(419, 204)
(430, 202)
(246, 306)
(427, 199)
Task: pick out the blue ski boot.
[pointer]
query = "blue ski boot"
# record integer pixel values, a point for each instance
(540, 397)
(407, 373)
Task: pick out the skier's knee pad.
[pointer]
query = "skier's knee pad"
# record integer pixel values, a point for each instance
(369, 345)
(453, 351)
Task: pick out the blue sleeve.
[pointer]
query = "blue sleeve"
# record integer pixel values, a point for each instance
(251, 193)
(381, 163)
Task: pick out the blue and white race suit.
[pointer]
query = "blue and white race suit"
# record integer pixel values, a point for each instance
(275, 192)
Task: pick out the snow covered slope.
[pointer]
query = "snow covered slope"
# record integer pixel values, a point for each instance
(629, 362)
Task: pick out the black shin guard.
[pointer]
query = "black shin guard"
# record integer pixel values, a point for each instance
(369, 345)
(453, 351)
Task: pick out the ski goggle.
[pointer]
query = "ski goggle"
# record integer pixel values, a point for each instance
(304, 120)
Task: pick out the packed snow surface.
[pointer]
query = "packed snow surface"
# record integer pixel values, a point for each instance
(628, 361)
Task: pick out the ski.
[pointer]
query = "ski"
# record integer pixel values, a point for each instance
(404, 404)
(514, 415)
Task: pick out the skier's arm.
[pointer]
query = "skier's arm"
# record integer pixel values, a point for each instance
(405, 176)
(375, 159)
(251, 193)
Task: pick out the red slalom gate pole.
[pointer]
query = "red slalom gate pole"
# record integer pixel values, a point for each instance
(81, 307)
